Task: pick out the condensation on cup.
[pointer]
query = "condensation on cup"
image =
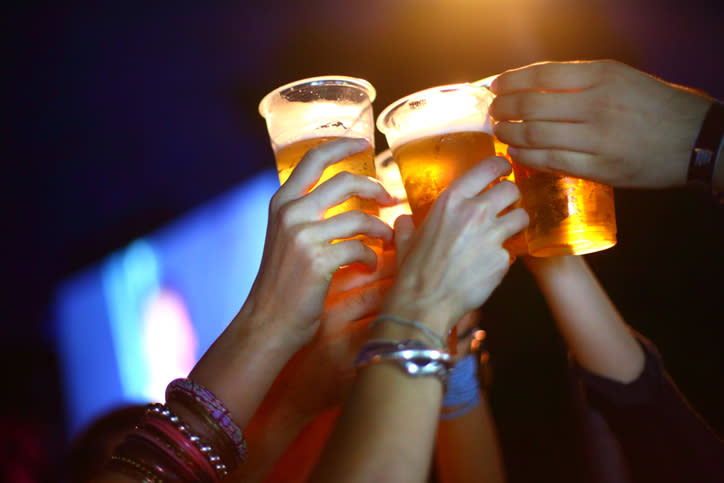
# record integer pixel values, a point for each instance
(568, 216)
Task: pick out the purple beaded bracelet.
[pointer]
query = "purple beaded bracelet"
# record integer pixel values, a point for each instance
(214, 407)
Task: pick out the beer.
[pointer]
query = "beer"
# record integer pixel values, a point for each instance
(308, 112)
(436, 135)
(287, 158)
(568, 216)
(429, 163)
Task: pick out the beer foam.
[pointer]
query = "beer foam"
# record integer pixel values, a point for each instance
(463, 125)
(333, 130)
(299, 123)
(437, 111)
(326, 106)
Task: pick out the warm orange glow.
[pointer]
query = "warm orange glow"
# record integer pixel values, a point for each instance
(362, 163)
(568, 216)
(389, 175)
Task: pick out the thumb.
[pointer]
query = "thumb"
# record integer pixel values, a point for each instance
(404, 229)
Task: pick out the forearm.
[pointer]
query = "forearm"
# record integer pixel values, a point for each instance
(467, 448)
(397, 412)
(240, 358)
(595, 333)
(387, 427)
(242, 364)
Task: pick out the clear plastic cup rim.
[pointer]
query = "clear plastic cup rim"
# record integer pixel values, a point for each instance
(485, 82)
(321, 80)
(381, 119)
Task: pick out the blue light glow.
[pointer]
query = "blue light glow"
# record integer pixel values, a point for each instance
(208, 259)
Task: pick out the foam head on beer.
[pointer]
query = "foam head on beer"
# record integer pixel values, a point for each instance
(435, 136)
(327, 106)
(309, 112)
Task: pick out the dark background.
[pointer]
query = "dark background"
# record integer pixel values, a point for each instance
(121, 116)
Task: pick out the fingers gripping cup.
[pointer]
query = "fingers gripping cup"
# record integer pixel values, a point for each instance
(568, 216)
(436, 135)
(309, 112)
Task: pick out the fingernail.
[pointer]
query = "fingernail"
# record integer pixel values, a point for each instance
(512, 152)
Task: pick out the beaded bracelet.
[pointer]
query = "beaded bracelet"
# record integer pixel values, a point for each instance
(133, 468)
(206, 450)
(188, 390)
(149, 454)
(142, 457)
(161, 432)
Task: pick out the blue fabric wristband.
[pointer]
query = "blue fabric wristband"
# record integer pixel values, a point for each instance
(463, 388)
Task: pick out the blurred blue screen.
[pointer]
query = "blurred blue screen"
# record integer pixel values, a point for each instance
(128, 325)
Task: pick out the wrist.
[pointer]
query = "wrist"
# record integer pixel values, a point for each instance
(544, 267)
(402, 331)
(415, 358)
(241, 365)
(436, 315)
(270, 331)
(396, 332)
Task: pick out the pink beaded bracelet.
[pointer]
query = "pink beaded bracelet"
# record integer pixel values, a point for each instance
(186, 388)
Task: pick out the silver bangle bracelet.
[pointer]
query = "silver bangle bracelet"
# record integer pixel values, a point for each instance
(410, 357)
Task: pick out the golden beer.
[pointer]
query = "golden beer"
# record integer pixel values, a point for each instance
(308, 112)
(436, 135)
(288, 157)
(568, 216)
(430, 163)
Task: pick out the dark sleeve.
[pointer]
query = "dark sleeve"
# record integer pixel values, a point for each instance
(662, 437)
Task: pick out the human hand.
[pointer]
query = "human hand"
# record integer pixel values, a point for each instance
(299, 258)
(454, 260)
(283, 309)
(319, 375)
(600, 120)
